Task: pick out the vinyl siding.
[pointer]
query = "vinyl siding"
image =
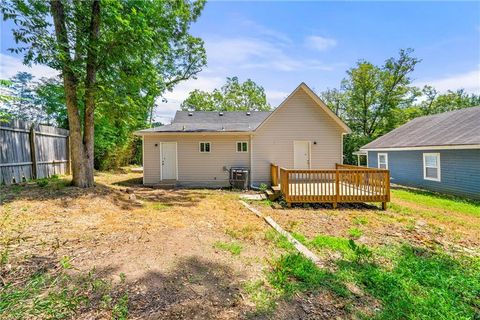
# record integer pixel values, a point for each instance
(460, 170)
(195, 168)
(300, 118)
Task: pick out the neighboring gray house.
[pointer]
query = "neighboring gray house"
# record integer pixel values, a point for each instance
(199, 148)
(439, 153)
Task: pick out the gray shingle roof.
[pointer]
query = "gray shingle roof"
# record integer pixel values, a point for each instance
(211, 121)
(460, 127)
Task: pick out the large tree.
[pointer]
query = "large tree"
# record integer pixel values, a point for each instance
(374, 93)
(109, 53)
(371, 98)
(232, 96)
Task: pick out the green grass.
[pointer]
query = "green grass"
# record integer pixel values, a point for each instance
(265, 298)
(360, 221)
(233, 247)
(329, 242)
(410, 282)
(419, 284)
(278, 240)
(293, 273)
(56, 294)
(160, 206)
(355, 233)
(433, 200)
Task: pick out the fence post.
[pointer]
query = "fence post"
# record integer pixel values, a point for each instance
(69, 155)
(33, 151)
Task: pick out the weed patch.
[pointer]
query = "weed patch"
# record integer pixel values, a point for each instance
(56, 294)
(160, 206)
(278, 240)
(264, 297)
(360, 221)
(294, 273)
(355, 233)
(233, 247)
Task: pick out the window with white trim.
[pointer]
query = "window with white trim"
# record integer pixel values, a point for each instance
(383, 160)
(242, 146)
(431, 166)
(204, 147)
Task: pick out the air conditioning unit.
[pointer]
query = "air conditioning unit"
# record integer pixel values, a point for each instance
(239, 177)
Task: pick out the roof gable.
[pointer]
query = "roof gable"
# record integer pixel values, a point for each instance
(454, 128)
(317, 101)
(237, 121)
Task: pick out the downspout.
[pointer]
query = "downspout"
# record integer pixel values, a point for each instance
(251, 161)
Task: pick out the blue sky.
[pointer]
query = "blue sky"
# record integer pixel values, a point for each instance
(280, 44)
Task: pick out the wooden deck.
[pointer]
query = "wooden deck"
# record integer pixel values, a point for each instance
(343, 184)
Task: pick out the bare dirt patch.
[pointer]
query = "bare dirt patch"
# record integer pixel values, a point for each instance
(161, 240)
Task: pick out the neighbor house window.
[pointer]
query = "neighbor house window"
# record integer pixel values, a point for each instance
(242, 146)
(431, 166)
(383, 160)
(205, 147)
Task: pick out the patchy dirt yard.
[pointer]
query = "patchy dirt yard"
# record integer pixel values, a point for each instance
(167, 244)
(121, 250)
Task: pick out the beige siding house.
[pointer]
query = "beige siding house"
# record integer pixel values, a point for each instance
(199, 148)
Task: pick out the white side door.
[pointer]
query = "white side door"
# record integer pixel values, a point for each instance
(301, 151)
(169, 160)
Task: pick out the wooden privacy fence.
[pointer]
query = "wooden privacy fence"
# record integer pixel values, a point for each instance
(32, 151)
(343, 184)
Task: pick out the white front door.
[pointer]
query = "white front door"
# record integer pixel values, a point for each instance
(169, 160)
(301, 150)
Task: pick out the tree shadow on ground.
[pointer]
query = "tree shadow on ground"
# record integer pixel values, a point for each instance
(129, 198)
(341, 206)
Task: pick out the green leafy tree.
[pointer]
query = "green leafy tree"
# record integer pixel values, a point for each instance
(336, 100)
(5, 97)
(22, 105)
(372, 97)
(232, 96)
(50, 97)
(112, 55)
(374, 93)
(451, 100)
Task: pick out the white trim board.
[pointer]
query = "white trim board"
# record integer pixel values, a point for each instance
(458, 147)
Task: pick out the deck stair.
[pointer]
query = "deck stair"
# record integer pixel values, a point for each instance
(273, 193)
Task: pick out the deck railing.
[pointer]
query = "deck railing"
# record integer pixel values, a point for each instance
(343, 184)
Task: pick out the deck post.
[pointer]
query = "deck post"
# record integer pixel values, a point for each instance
(337, 188)
(384, 206)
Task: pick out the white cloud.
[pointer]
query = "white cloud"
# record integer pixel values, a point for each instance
(470, 81)
(254, 53)
(10, 65)
(265, 32)
(320, 43)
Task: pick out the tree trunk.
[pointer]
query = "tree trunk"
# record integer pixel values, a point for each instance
(90, 81)
(79, 167)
